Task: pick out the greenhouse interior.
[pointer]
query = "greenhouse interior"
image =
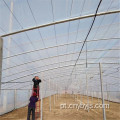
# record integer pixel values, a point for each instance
(59, 59)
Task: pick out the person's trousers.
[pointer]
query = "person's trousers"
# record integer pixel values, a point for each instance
(31, 109)
(37, 91)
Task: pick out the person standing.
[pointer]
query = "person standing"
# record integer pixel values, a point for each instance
(36, 81)
(31, 107)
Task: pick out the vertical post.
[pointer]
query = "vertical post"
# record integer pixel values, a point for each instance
(102, 95)
(49, 97)
(87, 91)
(56, 90)
(98, 96)
(41, 100)
(1, 54)
(10, 37)
(54, 95)
(5, 100)
(15, 93)
(92, 95)
(107, 92)
(54, 99)
(80, 97)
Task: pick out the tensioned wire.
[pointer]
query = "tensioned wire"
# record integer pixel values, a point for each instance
(86, 37)
(55, 31)
(62, 45)
(30, 74)
(50, 75)
(69, 27)
(21, 25)
(78, 26)
(84, 42)
(50, 69)
(97, 31)
(63, 35)
(77, 29)
(18, 22)
(38, 67)
(97, 50)
(37, 25)
(61, 76)
(12, 51)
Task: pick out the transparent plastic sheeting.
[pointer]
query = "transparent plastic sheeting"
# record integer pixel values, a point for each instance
(52, 52)
(13, 99)
(7, 102)
(43, 12)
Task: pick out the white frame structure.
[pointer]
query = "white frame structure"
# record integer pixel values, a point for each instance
(1, 54)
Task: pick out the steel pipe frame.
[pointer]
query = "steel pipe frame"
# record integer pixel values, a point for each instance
(68, 75)
(59, 46)
(1, 58)
(36, 28)
(94, 75)
(79, 72)
(63, 87)
(62, 21)
(102, 93)
(53, 69)
(60, 76)
(61, 55)
(57, 63)
(62, 35)
(60, 82)
(48, 77)
(30, 81)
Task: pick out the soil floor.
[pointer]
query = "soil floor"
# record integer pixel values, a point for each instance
(70, 107)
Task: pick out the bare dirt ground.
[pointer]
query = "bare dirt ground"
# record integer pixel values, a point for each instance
(59, 113)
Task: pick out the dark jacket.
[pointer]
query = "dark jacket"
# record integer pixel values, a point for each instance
(36, 82)
(33, 100)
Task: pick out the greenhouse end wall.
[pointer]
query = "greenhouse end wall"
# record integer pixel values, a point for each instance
(1, 51)
(14, 99)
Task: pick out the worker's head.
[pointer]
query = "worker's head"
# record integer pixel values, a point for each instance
(34, 94)
(36, 77)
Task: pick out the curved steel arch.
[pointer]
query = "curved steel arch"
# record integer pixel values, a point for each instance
(53, 69)
(58, 46)
(56, 63)
(62, 21)
(59, 55)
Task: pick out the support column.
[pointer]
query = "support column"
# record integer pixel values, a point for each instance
(54, 100)
(10, 37)
(87, 90)
(102, 95)
(15, 98)
(41, 99)
(5, 100)
(1, 54)
(49, 96)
